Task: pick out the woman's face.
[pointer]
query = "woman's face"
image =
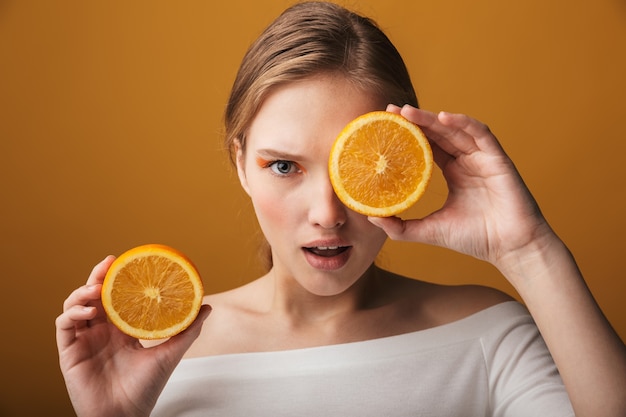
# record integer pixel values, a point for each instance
(315, 240)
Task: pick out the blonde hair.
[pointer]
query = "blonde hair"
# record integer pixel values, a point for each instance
(307, 39)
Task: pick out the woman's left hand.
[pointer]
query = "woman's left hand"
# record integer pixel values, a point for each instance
(489, 212)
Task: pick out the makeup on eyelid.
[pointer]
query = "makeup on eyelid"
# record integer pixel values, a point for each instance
(262, 162)
(265, 163)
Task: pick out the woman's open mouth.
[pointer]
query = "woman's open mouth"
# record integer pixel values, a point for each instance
(327, 258)
(327, 251)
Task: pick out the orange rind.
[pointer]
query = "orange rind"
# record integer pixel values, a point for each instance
(380, 164)
(152, 292)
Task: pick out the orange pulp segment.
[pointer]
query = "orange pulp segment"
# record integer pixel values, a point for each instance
(152, 292)
(380, 164)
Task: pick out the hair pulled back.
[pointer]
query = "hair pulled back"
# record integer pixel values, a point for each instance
(308, 39)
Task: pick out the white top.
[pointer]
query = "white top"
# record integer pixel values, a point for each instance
(492, 363)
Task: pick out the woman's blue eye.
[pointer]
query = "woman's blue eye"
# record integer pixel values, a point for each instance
(283, 167)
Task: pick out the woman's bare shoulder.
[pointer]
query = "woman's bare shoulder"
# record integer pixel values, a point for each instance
(235, 316)
(245, 298)
(241, 318)
(439, 304)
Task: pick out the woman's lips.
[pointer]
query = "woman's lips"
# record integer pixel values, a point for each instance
(327, 251)
(327, 258)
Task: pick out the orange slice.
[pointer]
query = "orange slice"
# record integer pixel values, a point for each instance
(380, 164)
(152, 292)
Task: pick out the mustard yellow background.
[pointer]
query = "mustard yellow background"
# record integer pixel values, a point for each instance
(110, 137)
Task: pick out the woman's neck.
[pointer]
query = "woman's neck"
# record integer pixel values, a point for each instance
(301, 307)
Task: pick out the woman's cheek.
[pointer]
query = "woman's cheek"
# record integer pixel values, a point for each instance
(273, 211)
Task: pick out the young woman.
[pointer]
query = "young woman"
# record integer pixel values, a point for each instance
(326, 331)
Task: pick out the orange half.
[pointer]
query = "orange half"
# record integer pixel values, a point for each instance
(152, 292)
(380, 164)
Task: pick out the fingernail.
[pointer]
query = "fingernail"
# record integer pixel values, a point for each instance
(374, 220)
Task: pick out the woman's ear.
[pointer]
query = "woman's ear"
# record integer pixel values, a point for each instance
(240, 161)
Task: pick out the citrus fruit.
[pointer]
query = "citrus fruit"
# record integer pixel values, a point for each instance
(152, 292)
(380, 164)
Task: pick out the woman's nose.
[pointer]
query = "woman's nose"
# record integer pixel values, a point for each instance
(326, 210)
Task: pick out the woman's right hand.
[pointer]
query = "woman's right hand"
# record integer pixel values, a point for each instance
(108, 373)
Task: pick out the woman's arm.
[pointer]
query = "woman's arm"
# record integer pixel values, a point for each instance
(588, 353)
(491, 215)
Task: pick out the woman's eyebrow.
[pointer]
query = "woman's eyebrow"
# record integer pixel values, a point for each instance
(279, 154)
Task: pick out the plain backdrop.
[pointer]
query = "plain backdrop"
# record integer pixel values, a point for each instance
(111, 137)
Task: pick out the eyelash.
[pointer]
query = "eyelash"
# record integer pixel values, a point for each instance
(273, 166)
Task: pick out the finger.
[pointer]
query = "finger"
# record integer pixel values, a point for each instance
(68, 319)
(82, 306)
(418, 116)
(68, 322)
(450, 137)
(392, 108)
(440, 156)
(91, 290)
(415, 230)
(438, 153)
(82, 296)
(439, 133)
(394, 227)
(193, 331)
(424, 119)
(173, 349)
(99, 271)
(480, 132)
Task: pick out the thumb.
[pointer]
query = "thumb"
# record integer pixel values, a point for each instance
(179, 344)
(193, 331)
(414, 230)
(394, 226)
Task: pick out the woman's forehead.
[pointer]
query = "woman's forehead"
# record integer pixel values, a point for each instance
(300, 115)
